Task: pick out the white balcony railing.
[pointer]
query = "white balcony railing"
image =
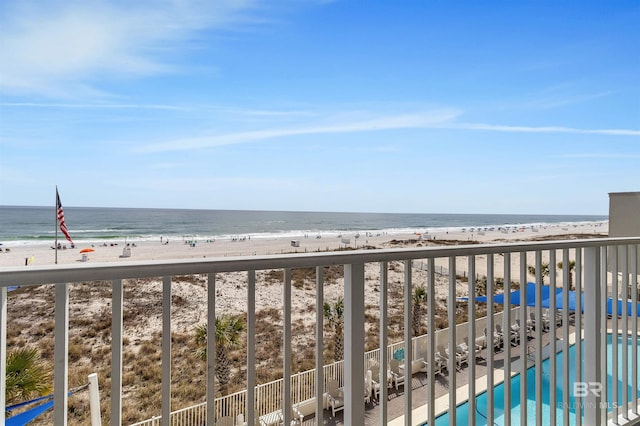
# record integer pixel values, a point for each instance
(604, 268)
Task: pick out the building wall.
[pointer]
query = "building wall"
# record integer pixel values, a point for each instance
(624, 214)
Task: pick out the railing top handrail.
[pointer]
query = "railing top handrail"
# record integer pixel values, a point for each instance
(47, 274)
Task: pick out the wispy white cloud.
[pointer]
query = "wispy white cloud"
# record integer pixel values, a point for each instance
(57, 48)
(616, 156)
(544, 129)
(407, 121)
(242, 112)
(557, 101)
(44, 105)
(444, 119)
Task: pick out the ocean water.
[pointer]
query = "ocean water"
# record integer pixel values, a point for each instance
(21, 225)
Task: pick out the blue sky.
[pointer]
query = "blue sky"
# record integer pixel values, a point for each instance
(408, 106)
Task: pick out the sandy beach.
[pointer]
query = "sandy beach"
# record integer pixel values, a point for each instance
(231, 287)
(247, 246)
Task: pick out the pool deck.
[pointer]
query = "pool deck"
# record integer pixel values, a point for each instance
(419, 382)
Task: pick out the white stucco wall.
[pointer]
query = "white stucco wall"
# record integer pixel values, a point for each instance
(624, 214)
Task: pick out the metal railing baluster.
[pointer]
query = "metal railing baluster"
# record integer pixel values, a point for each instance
(431, 339)
(61, 354)
(524, 338)
(472, 339)
(382, 379)
(3, 351)
(166, 350)
(250, 400)
(319, 375)
(408, 347)
(354, 343)
(565, 336)
(286, 342)
(117, 300)
(211, 348)
(615, 397)
(452, 367)
(539, 326)
(625, 330)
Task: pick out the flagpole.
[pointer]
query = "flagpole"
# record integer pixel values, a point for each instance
(55, 211)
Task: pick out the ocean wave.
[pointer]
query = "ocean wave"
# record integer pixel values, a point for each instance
(296, 233)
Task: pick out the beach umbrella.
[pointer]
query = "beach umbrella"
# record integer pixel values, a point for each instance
(620, 307)
(560, 301)
(87, 250)
(514, 296)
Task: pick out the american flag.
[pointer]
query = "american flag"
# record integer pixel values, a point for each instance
(63, 226)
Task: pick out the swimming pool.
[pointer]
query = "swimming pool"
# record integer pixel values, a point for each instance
(462, 411)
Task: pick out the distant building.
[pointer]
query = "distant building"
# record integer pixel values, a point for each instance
(624, 217)
(624, 214)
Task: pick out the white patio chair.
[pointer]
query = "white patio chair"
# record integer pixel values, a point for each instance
(368, 387)
(529, 328)
(397, 377)
(462, 354)
(534, 324)
(375, 381)
(477, 349)
(225, 421)
(442, 357)
(335, 397)
(496, 341)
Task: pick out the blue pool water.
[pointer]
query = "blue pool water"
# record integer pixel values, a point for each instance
(462, 410)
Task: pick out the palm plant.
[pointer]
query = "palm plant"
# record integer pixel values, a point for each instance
(572, 267)
(419, 298)
(28, 376)
(228, 330)
(544, 270)
(481, 286)
(334, 313)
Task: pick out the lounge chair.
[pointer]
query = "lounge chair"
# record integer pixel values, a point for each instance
(271, 419)
(397, 377)
(546, 316)
(499, 334)
(369, 387)
(442, 358)
(375, 375)
(296, 417)
(481, 341)
(440, 364)
(517, 327)
(546, 319)
(375, 382)
(225, 421)
(496, 340)
(335, 397)
(418, 366)
(458, 359)
(462, 354)
(534, 324)
(241, 422)
(477, 349)
(514, 334)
